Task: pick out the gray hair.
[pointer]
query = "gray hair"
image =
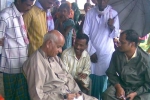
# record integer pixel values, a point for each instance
(50, 36)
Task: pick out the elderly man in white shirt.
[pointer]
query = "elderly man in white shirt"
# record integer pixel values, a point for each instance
(46, 75)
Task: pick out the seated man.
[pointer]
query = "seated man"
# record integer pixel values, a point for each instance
(77, 61)
(46, 75)
(129, 71)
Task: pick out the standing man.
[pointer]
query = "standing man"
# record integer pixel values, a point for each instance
(38, 21)
(102, 26)
(14, 49)
(77, 61)
(129, 70)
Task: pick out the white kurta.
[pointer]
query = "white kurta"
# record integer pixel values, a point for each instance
(101, 38)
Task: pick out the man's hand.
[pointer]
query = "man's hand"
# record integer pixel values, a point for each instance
(71, 96)
(94, 58)
(2, 41)
(78, 94)
(116, 41)
(111, 23)
(82, 75)
(120, 93)
(131, 95)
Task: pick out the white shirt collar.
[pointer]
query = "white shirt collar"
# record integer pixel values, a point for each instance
(134, 55)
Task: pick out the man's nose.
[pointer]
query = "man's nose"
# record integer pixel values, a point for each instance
(118, 43)
(60, 50)
(32, 3)
(78, 47)
(102, 2)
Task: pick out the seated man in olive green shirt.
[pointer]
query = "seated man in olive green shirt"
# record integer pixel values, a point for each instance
(129, 70)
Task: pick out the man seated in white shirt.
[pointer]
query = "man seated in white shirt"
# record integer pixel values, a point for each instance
(77, 61)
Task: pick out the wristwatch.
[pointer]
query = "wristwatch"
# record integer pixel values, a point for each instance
(65, 96)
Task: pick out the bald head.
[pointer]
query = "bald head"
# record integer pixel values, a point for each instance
(53, 43)
(54, 36)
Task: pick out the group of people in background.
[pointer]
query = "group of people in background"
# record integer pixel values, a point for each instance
(50, 51)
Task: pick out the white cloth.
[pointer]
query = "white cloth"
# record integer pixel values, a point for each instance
(101, 38)
(14, 50)
(79, 98)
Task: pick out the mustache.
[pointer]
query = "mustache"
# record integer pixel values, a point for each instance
(50, 3)
(76, 49)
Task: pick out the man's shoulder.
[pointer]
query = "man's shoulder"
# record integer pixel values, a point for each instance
(34, 11)
(112, 9)
(32, 60)
(117, 52)
(35, 8)
(86, 54)
(35, 60)
(34, 56)
(118, 55)
(6, 13)
(68, 51)
(114, 12)
(143, 54)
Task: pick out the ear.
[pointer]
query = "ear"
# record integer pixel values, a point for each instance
(48, 43)
(132, 44)
(86, 46)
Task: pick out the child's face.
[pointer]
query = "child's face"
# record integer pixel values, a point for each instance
(64, 13)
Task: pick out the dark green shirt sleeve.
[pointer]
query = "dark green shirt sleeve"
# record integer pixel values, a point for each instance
(146, 87)
(111, 72)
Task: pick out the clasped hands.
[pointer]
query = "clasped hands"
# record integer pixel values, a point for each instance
(120, 93)
(71, 96)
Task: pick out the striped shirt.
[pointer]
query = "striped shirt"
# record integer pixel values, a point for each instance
(36, 23)
(14, 50)
(75, 66)
(49, 18)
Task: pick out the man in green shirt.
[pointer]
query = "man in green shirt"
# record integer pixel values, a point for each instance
(129, 70)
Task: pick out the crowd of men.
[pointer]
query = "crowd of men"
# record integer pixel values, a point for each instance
(51, 55)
